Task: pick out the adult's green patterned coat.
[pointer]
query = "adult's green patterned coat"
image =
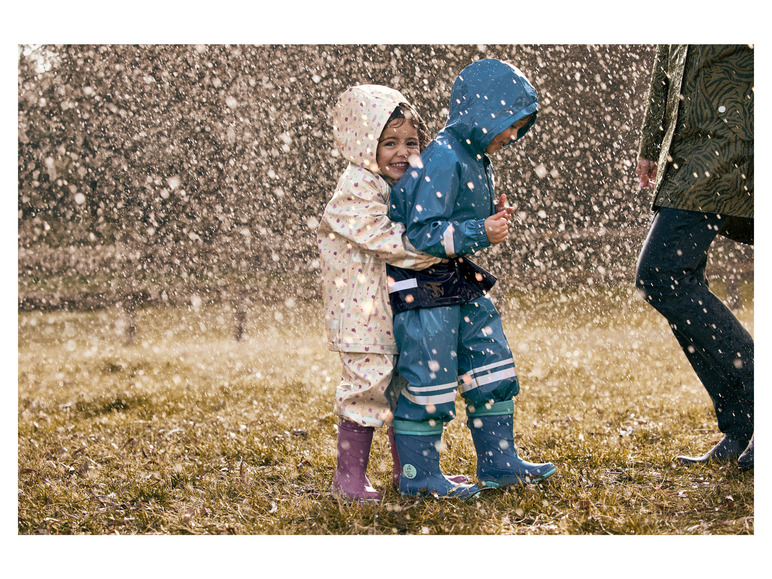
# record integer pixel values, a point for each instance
(699, 128)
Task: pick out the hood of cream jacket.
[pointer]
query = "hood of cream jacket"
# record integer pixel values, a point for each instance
(358, 120)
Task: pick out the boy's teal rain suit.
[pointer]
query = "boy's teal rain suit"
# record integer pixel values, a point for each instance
(448, 342)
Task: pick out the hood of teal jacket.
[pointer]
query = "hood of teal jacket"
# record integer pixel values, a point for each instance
(487, 97)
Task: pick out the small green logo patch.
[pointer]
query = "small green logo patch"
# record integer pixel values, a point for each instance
(409, 471)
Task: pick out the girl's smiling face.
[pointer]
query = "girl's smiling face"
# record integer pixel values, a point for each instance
(398, 143)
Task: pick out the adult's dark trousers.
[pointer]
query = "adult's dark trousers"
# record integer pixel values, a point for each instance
(671, 277)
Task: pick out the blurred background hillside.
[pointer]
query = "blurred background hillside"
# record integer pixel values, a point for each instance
(157, 171)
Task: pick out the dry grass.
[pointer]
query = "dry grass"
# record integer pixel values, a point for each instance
(187, 431)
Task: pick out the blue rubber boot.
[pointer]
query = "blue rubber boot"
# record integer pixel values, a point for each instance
(418, 447)
(396, 470)
(497, 462)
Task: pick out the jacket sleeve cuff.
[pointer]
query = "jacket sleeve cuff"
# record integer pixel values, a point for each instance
(478, 236)
(649, 151)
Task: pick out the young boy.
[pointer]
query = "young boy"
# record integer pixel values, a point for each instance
(448, 331)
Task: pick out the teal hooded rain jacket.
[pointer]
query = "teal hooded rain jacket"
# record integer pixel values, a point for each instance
(444, 202)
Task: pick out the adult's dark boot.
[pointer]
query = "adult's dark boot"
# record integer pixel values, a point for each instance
(745, 462)
(729, 448)
(350, 481)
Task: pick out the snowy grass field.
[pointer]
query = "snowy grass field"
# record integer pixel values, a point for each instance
(186, 430)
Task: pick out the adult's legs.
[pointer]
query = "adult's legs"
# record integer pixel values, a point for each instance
(671, 277)
(733, 407)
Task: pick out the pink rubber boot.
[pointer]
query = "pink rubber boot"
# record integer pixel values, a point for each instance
(350, 480)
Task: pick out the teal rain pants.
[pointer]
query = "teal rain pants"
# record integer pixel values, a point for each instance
(448, 349)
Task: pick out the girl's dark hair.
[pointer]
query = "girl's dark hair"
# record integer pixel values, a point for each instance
(406, 112)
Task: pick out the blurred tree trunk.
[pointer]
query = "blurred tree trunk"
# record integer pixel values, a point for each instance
(240, 306)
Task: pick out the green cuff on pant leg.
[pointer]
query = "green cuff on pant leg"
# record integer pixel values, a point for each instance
(416, 428)
(505, 407)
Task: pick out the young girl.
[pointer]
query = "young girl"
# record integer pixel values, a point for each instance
(378, 133)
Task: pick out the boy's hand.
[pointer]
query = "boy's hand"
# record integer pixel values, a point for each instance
(497, 227)
(502, 205)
